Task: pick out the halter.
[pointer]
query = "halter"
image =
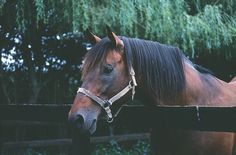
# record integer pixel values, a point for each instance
(106, 104)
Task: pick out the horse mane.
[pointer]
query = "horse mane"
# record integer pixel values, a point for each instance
(159, 66)
(203, 69)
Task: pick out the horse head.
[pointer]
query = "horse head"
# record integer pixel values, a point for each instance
(105, 79)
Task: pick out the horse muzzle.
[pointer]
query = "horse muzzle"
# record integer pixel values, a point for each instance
(84, 114)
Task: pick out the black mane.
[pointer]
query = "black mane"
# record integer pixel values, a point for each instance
(203, 69)
(97, 55)
(158, 66)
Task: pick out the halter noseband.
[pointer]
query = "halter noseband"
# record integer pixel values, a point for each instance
(106, 104)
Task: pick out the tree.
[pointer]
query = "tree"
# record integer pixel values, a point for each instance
(34, 54)
(33, 30)
(188, 24)
(193, 26)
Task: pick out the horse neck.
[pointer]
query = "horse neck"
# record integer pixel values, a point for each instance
(200, 89)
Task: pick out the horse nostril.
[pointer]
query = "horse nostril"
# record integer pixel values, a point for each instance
(79, 121)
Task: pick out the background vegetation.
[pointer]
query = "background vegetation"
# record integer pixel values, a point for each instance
(42, 42)
(43, 37)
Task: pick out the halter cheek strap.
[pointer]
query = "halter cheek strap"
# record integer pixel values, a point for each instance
(106, 104)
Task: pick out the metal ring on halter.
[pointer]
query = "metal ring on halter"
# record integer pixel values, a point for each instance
(110, 120)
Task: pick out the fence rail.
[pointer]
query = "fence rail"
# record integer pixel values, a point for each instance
(192, 117)
(201, 118)
(188, 117)
(68, 141)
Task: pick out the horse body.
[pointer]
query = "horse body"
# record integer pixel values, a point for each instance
(202, 90)
(187, 142)
(164, 77)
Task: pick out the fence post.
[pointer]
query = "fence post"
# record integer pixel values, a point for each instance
(81, 144)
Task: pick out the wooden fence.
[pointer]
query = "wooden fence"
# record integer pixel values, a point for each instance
(194, 118)
(68, 141)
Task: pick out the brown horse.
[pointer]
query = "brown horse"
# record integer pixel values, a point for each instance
(164, 77)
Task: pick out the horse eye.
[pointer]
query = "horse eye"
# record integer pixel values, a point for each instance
(108, 69)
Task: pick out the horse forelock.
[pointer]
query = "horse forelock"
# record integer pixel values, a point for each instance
(96, 56)
(160, 67)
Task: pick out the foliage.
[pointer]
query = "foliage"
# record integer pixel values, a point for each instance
(193, 25)
(28, 67)
(163, 20)
(140, 148)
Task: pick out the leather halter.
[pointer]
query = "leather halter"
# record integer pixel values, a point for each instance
(106, 104)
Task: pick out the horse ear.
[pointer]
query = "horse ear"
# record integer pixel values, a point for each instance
(91, 37)
(116, 41)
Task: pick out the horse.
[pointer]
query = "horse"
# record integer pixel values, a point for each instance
(121, 68)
